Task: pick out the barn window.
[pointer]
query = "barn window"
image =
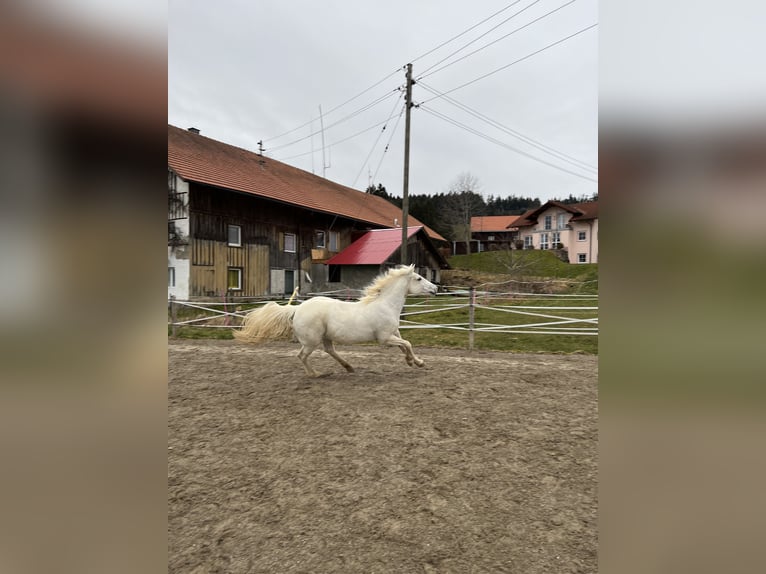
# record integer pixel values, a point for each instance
(320, 241)
(548, 221)
(234, 279)
(582, 235)
(527, 241)
(543, 241)
(334, 236)
(235, 236)
(333, 274)
(290, 242)
(171, 276)
(582, 258)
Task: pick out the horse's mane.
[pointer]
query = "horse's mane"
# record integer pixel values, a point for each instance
(374, 289)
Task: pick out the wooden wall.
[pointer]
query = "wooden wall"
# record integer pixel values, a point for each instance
(212, 259)
(263, 223)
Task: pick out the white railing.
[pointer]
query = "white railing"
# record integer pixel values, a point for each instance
(579, 317)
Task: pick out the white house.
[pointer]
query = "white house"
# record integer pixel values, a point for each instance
(554, 225)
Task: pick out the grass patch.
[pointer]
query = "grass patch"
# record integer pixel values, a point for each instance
(529, 264)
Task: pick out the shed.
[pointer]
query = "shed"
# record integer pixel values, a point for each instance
(379, 249)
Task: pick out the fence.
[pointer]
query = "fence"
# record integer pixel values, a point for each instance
(548, 314)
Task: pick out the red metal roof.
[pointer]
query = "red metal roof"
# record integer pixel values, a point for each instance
(204, 160)
(372, 248)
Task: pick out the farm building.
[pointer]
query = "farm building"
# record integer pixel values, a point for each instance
(491, 232)
(374, 252)
(241, 224)
(555, 225)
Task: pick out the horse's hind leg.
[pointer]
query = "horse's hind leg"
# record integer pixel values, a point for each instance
(303, 355)
(329, 348)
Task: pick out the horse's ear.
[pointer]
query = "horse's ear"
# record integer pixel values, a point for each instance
(412, 266)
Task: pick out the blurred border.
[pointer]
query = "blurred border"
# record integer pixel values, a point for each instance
(83, 106)
(683, 192)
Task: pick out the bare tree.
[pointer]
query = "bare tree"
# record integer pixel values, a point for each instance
(464, 201)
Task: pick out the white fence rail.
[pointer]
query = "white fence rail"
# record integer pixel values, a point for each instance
(549, 314)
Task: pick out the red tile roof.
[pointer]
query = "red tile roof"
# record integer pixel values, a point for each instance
(492, 223)
(197, 158)
(373, 248)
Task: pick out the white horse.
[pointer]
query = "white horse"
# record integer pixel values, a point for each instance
(325, 321)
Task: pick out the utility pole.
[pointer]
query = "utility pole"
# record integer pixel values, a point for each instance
(406, 186)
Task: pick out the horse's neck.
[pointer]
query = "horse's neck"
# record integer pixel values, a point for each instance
(394, 296)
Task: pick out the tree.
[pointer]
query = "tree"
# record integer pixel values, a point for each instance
(463, 201)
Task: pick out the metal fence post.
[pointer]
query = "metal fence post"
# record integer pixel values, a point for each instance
(471, 312)
(173, 316)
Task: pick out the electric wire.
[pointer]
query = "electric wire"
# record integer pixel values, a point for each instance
(547, 14)
(551, 45)
(481, 36)
(534, 143)
(464, 32)
(476, 132)
(341, 120)
(336, 107)
(377, 139)
(388, 144)
(365, 130)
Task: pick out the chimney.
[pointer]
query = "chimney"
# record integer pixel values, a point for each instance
(193, 130)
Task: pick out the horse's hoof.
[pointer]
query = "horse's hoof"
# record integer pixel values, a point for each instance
(420, 363)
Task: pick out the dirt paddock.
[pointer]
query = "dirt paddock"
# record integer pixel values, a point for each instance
(478, 462)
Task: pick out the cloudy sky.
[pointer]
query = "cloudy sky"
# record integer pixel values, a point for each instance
(507, 90)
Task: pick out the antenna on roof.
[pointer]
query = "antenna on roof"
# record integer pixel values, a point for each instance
(261, 149)
(321, 127)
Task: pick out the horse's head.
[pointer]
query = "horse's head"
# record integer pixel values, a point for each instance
(419, 285)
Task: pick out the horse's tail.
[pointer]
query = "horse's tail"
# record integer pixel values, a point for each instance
(272, 321)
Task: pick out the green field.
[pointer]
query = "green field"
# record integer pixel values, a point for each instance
(537, 267)
(529, 265)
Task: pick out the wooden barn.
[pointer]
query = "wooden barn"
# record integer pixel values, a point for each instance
(377, 250)
(241, 224)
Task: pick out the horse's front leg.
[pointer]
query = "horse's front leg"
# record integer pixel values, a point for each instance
(406, 348)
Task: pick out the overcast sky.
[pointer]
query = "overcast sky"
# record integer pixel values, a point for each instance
(244, 71)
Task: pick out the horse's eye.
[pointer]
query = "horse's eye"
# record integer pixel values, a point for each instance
(419, 278)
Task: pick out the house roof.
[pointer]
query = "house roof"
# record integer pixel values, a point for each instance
(197, 158)
(372, 248)
(492, 223)
(580, 212)
(376, 246)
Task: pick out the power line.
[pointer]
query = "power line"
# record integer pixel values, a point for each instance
(476, 132)
(375, 143)
(385, 149)
(479, 38)
(342, 140)
(343, 119)
(336, 107)
(515, 62)
(464, 32)
(497, 40)
(534, 143)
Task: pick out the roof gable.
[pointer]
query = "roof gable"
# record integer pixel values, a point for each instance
(197, 158)
(580, 212)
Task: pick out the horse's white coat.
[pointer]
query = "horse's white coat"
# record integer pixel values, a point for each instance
(322, 321)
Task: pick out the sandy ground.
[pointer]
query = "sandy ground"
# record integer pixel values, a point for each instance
(478, 462)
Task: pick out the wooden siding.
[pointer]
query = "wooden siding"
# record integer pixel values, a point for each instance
(212, 259)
